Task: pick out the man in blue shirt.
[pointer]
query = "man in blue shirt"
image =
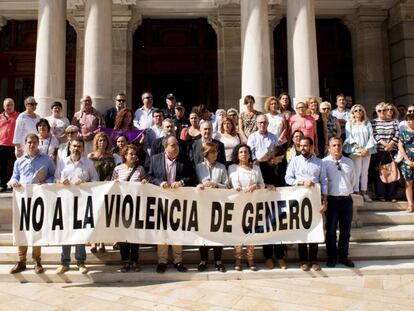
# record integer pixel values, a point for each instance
(308, 170)
(33, 168)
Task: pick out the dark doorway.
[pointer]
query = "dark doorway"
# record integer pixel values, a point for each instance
(18, 58)
(334, 58)
(176, 56)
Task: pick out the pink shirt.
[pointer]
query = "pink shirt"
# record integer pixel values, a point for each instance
(170, 169)
(306, 124)
(7, 126)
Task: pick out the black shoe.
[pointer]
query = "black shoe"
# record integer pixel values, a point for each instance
(220, 267)
(3, 190)
(18, 267)
(180, 267)
(331, 263)
(161, 267)
(346, 262)
(202, 266)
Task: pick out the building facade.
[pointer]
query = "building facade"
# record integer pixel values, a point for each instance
(211, 52)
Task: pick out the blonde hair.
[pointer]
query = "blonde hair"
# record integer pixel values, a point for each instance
(108, 148)
(352, 119)
(268, 101)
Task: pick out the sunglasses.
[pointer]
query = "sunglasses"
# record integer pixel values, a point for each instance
(410, 111)
(121, 100)
(338, 166)
(357, 110)
(326, 108)
(381, 110)
(148, 97)
(300, 107)
(31, 104)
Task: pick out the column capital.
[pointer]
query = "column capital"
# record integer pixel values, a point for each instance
(121, 19)
(402, 12)
(365, 17)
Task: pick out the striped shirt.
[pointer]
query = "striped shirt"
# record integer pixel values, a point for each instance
(122, 171)
(386, 130)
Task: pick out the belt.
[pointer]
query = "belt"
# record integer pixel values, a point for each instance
(338, 197)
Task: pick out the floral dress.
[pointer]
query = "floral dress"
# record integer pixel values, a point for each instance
(407, 138)
(249, 122)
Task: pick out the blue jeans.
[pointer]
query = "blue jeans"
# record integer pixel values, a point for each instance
(80, 254)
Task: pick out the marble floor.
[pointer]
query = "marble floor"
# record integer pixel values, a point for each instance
(376, 292)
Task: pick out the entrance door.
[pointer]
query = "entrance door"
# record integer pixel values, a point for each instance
(179, 57)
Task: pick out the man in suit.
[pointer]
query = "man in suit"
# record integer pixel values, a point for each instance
(170, 170)
(111, 113)
(168, 129)
(195, 148)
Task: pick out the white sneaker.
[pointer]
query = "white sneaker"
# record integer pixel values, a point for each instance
(367, 198)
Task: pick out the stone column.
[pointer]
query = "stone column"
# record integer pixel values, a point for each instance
(302, 50)
(227, 27)
(49, 83)
(368, 33)
(256, 63)
(97, 70)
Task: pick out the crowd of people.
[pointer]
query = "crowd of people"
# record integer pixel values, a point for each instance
(286, 145)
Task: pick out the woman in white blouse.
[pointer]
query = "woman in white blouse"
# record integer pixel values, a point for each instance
(129, 170)
(360, 144)
(211, 174)
(244, 176)
(48, 144)
(277, 122)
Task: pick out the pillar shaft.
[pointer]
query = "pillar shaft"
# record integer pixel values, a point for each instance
(256, 64)
(302, 49)
(50, 55)
(97, 69)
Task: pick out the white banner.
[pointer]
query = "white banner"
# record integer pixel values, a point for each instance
(142, 213)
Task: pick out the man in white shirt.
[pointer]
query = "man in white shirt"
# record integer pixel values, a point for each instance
(340, 175)
(76, 170)
(143, 115)
(341, 113)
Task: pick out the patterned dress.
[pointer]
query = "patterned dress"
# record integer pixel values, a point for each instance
(407, 138)
(104, 167)
(249, 122)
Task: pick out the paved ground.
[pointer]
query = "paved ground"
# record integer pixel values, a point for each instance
(378, 292)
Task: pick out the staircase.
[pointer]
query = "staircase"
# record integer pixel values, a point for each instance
(382, 241)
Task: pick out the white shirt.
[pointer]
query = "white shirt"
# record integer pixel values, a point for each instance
(340, 175)
(82, 170)
(243, 178)
(143, 118)
(24, 125)
(58, 126)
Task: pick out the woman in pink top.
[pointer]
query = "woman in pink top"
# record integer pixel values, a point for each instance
(304, 123)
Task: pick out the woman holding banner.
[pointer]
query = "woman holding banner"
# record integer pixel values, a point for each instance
(211, 174)
(246, 176)
(129, 170)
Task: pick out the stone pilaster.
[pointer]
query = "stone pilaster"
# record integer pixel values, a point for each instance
(401, 25)
(50, 55)
(368, 31)
(97, 71)
(255, 42)
(302, 50)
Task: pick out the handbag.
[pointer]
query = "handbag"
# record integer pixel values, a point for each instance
(389, 172)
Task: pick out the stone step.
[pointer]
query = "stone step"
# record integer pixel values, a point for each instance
(385, 218)
(383, 233)
(358, 251)
(383, 206)
(109, 274)
(5, 211)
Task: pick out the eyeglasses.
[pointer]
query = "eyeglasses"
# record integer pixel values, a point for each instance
(381, 110)
(121, 100)
(410, 111)
(31, 104)
(326, 108)
(338, 166)
(300, 107)
(148, 97)
(358, 110)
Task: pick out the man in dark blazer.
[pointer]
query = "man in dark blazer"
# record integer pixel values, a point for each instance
(168, 129)
(195, 148)
(110, 114)
(171, 170)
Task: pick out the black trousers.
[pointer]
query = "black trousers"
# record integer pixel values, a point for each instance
(7, 159)
(277, 249)
(218, 250)
(339, 212)
(308, 252)
(129, 251)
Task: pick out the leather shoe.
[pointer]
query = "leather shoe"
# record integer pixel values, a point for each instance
(202, 266)
(304, 266)
(331, 263)
(18, 267)
(180, 267)
(346, 262)
(316, 266)
(161, 267)
(38, 268)
(220, 267)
